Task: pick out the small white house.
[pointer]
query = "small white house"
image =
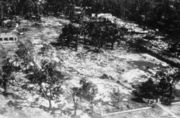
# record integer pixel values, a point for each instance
(8, 38)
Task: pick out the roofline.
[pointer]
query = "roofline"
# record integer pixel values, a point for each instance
(8, 35)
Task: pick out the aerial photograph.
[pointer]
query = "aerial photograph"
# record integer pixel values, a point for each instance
(89, 58)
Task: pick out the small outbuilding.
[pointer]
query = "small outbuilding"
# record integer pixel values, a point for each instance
(8, 38)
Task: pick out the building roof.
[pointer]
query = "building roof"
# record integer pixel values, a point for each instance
(7, 35)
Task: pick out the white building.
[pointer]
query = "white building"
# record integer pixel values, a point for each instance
(8, 38)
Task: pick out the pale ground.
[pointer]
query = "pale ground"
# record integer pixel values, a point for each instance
(109, 70)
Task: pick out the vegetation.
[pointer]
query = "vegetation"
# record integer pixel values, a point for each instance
(102, 32)
(88, 91)
(98, 33)
(147, 90)
(69, 35)
(163, 90)
(48, 79)
(160, 14)
(93, 32)
(6, 74)
(26, 8)
(116, 98)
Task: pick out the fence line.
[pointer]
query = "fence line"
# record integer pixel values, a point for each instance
(167, 110)
(145, 108)
(133, 110)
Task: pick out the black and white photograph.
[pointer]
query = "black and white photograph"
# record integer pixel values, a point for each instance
(89, 58)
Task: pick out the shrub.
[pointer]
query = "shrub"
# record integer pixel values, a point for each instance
(116, 98)
(147, 89)
(69, 35)
(163, 89)
(88, 91)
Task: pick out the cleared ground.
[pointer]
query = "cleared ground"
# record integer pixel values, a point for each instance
(110, 70)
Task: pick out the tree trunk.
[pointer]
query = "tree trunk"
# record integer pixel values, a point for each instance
(49, 99)
(5, 81)
(75, 105)
(2, 14)
(50, 104)
(46, 96)
(92, 105)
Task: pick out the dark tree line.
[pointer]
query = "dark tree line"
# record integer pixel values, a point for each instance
(98, 32)
(162, 13)
(24, 8)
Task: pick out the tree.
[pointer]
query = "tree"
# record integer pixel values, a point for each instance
(69, 35)
(26, 8)
(102, 32)
(55, 6)
(165, 91)
(48, 79)
(147, 89)
(6, 74)
(24, 55)
(88, 91)
(166, 86)
(162, 89)
(116, 98)
(75, 93)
